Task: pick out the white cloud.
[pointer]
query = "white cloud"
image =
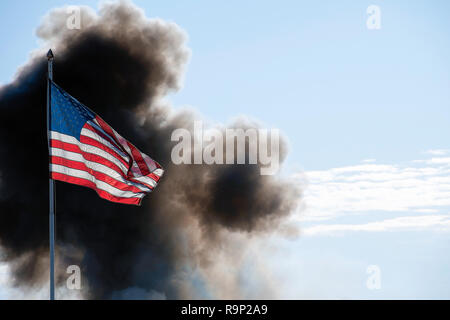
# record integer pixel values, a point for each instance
(438, 152)
(436, 222)
(444, 161)
(416, 187)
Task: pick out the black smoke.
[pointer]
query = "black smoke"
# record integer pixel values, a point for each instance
(120, 64)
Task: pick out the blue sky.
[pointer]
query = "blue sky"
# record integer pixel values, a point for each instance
(366, 113)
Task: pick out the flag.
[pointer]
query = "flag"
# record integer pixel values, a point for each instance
(86, 151)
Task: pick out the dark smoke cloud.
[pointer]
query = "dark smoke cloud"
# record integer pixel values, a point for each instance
(121, 64)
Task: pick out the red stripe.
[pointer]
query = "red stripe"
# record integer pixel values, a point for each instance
(105, 137)
(95, 143)
(143, 183)
(154, 177)
(139, 159)
(98, 159)
(98, 175)
(87, 155)
(101, 134)
(90, 184)
(136, 154)
(65, 146)
(110, 132)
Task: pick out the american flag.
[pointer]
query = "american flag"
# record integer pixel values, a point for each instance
(86, 151)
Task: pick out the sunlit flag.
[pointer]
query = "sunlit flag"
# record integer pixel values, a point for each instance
(86, 151)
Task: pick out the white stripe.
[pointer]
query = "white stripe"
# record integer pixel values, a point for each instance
(89, 149)
(149, 161)
(135, 168)
(123, 142)
(97, 126)
(159, 172)
(146, 180)
(96, 167)
(99, 184)
(151, 164)
(91, 134)
(64, 137)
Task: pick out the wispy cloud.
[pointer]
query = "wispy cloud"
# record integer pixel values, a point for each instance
(438, 152)
(436, 222)
(419, 187)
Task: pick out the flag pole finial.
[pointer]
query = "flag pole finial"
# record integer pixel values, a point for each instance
(50, 54)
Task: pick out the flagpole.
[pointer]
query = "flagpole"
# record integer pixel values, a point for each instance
(51, 182)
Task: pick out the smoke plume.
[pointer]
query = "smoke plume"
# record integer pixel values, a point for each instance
(121, 65)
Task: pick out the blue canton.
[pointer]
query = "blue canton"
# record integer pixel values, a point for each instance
(68, 116)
